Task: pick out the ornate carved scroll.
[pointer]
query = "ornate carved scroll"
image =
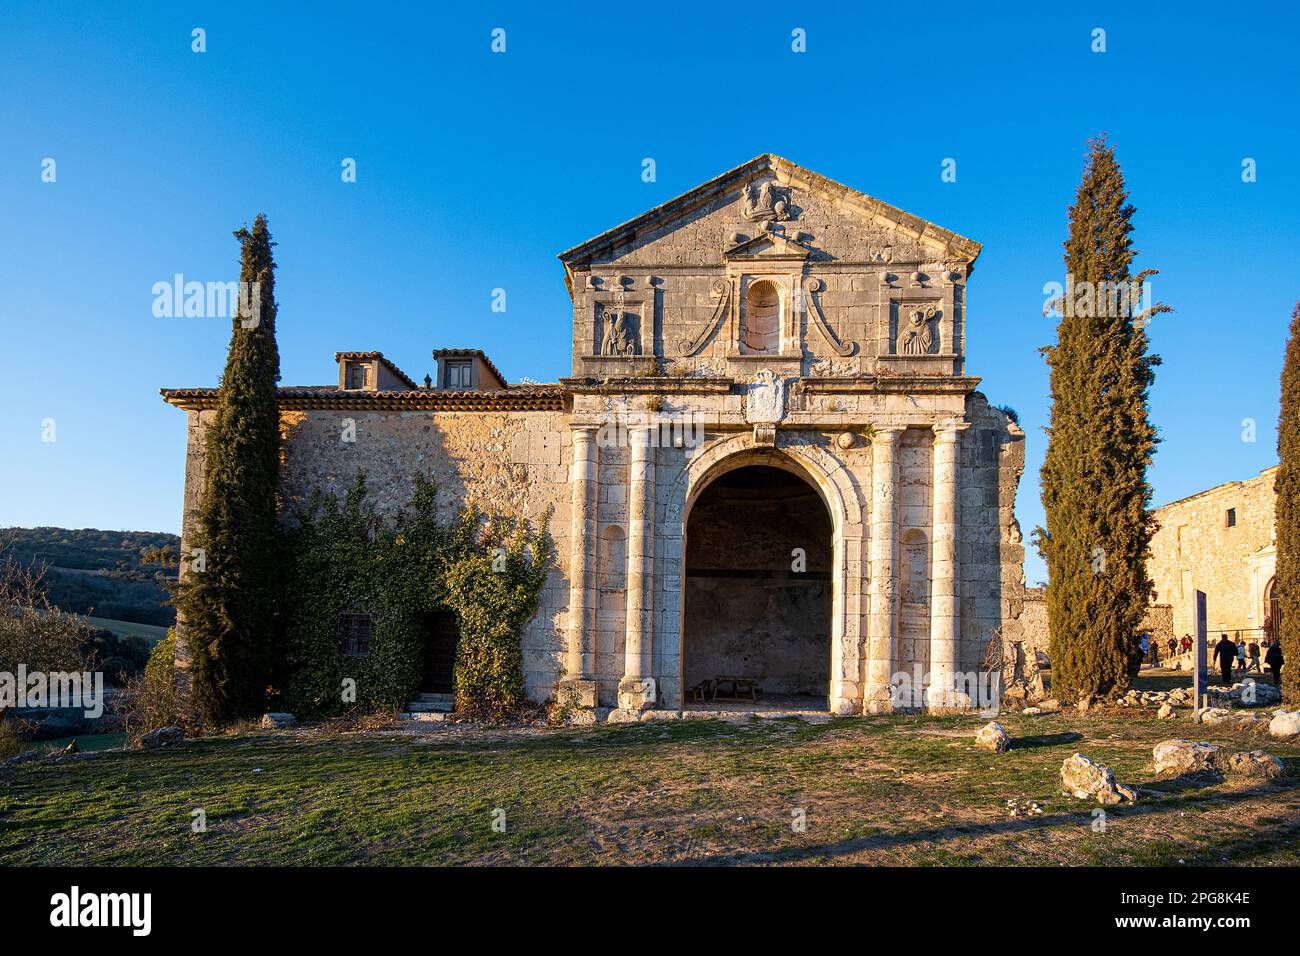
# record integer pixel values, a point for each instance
(722, 289)
(810, 287)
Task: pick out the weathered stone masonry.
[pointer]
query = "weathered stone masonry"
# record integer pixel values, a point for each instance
(769, 317)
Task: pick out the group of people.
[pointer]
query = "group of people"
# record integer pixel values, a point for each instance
(1245, 657)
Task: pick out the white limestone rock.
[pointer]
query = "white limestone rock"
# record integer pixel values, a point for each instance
(1174, 758)
(278, 721)
(1216, 715)
(994, 738)
(1166, 711)
(1285, 723)
(1084, 777)
(1253, 764)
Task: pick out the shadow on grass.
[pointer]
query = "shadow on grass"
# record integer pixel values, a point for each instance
(1045, 740)
(1029, 826)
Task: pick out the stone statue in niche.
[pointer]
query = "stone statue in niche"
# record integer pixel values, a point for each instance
(620, 335)
(771, 205)
(917, 336)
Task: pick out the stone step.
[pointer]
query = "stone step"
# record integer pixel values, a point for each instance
(423, 717)
(422, 706)
(436, 698)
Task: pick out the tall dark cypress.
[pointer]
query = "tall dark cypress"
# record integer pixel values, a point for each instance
(1287, 516)
(1094, 486)
(228, 608)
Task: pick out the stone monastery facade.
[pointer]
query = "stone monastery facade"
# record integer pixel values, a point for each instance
(768, 463)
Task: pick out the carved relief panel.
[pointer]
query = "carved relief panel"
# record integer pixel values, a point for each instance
(623, 309)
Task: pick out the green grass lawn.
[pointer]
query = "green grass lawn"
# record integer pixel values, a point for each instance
(153, 633)
(902, 790)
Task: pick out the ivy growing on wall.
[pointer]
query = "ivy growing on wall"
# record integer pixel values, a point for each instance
(486, 568)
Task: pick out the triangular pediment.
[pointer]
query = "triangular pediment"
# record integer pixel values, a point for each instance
(767, 245)
(835, 220)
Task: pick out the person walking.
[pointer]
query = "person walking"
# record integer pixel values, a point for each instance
(1241, 656)
(1225, 652)
(1254, 657)
(1173, 646)
(1187, 643)
(1274, 661)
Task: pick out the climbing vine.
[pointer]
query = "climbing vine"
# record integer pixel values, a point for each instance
(488, 569)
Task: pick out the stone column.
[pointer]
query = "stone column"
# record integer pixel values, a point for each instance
(580, 661)
(882, 627)
(945, 614)
(636, 691)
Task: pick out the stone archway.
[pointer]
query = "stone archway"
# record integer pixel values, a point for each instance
(758, 586)
(840, 495)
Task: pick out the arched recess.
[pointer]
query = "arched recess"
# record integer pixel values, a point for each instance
(830, 478)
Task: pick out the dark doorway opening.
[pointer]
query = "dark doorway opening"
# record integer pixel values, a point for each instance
(759, 589)
(441, 635)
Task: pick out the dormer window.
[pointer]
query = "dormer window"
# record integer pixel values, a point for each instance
(458, 374)
(357, 376)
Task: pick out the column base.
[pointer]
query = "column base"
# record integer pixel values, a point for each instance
(878, 700)
(637, 693)
(582, 689)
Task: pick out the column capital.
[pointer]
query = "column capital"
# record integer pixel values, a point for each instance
(949, 431)
(639, 436)
(887, 433)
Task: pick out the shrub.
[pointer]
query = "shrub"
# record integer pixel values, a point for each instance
(150, 698)
(488, 569)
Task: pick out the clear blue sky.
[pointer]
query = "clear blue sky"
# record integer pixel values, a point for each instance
(475, 169)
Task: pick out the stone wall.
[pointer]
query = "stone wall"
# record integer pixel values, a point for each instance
(1196, 549)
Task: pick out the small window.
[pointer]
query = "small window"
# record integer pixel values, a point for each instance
(457, 375)
(356, 376)
(354, 634)
(1230, 518)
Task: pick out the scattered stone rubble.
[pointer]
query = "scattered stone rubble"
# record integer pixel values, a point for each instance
(1023, 808)
(278, 721)
(1083, 777)
(1179, 758)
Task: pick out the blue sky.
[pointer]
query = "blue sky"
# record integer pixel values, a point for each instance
(475, 169)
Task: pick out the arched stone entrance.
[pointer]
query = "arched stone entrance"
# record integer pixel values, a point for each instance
(758, 588)
(840, 498)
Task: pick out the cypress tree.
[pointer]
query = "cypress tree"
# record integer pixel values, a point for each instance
(1287, 516)
(228, 608)
(1100, 442)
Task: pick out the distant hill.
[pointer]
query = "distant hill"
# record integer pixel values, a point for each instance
(122, 575)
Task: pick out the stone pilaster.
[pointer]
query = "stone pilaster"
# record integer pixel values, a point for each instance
(636, 691)
(583, 481)
(882, 626)
(945, 613)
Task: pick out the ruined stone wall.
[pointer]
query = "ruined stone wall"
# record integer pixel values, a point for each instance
(1195, 549)
(992, 547)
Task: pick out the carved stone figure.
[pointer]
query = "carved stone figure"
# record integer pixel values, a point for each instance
(620, 336)
(917, 337)
(770, 205)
